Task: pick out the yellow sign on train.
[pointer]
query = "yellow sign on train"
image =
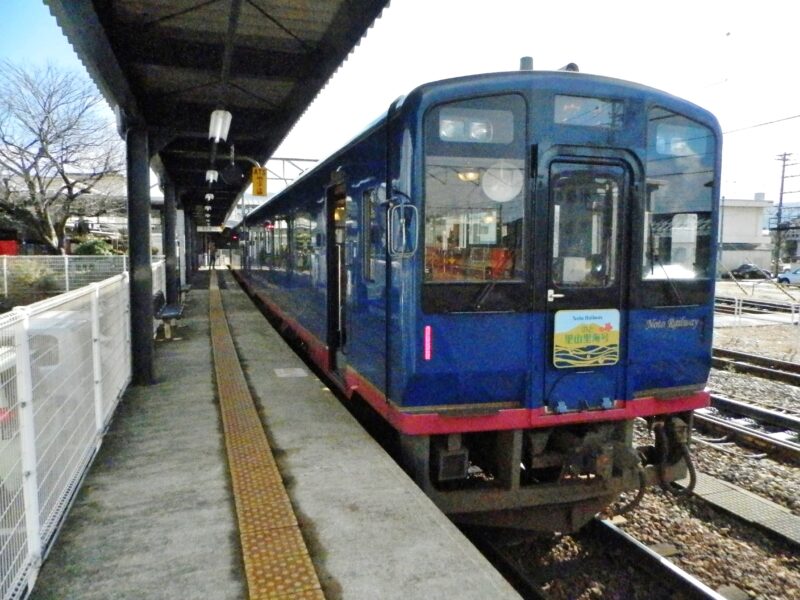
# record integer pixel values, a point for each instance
(258, 177)
(586, 338)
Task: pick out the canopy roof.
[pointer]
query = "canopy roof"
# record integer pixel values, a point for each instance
(167, 64)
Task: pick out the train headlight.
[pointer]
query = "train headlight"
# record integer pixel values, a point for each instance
(464, 130)
(476, 125)
(480, 131)
(451, 130)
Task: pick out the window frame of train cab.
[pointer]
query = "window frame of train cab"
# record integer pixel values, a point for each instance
(373, 215)
(674, 282)
(477, 260)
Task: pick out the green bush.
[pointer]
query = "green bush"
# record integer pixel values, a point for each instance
(93, 248)
(30, 282)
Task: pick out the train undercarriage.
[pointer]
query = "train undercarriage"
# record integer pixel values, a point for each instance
(553, 479)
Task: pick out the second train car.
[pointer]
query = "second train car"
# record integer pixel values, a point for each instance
(510, 269)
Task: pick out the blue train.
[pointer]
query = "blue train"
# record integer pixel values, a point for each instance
(510, 269)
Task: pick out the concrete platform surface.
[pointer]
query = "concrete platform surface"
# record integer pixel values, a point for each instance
(371, 532)
(155, 517)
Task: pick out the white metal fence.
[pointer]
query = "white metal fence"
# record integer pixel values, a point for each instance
(27, 279)
(64, 364)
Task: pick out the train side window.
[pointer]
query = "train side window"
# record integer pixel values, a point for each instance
(680, 177)
(281, 244)
(303, 239)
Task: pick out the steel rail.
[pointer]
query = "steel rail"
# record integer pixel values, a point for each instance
(761, 414)
(681, 583)
(753, 364)
(498, 554)
(788, 450)
(675, 578)
(759, 359)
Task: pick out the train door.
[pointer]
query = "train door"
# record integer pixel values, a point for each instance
(587, 278)
(337, 276)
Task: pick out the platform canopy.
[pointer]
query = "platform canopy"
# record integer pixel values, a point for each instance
(168, 64)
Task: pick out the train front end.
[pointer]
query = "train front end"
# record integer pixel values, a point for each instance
(552, 280)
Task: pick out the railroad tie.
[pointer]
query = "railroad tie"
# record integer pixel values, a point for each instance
(276, 559)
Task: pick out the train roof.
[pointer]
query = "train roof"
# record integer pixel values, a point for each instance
(562, 81)
(498, 82)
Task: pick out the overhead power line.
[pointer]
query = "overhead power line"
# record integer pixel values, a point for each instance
(762, 124)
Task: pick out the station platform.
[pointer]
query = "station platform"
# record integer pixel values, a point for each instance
(310, 506)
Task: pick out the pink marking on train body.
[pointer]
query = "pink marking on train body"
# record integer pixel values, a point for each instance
(427, 346)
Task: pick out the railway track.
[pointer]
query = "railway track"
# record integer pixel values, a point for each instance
(761, 435)
(760, 366)
(775, 418)
(619, 550)
(728, 423)
(670, 575)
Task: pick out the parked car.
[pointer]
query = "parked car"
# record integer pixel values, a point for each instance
(748, 271)
(790, 277)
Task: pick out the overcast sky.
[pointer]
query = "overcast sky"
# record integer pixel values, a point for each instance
(736, 59)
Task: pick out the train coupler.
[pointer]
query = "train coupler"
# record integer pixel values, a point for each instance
(601, 456)
(670, 447)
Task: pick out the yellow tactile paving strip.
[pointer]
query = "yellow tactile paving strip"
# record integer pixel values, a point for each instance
(276, 560)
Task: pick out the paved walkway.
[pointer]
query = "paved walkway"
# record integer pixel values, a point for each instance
(154, 518)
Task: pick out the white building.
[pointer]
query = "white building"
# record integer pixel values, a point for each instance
(743, 238)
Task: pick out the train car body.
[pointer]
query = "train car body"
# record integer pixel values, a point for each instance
(510, 268)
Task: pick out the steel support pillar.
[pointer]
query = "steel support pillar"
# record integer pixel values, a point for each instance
(171, 259)
(141, 280)
(188, 233)
(196, 246)
(191, 245)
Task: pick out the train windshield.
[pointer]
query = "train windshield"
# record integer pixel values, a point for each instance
(474, 191)
(680, 179)
(586, 206)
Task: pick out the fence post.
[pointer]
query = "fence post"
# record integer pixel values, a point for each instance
(126, 303)
(97, 363)
(66, 272)
(5, 276)
(27, 434)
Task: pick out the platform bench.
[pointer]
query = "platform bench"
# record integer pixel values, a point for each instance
(167, 313)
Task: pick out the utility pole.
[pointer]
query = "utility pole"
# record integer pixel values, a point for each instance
(778, 231)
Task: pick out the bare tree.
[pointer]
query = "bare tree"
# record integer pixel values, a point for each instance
(58, 154)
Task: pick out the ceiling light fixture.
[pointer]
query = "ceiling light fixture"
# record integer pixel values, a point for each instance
(209, 197)
(212, 175)
(220, 125)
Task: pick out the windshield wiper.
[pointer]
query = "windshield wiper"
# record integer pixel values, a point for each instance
(484, 293)
(672, 286)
